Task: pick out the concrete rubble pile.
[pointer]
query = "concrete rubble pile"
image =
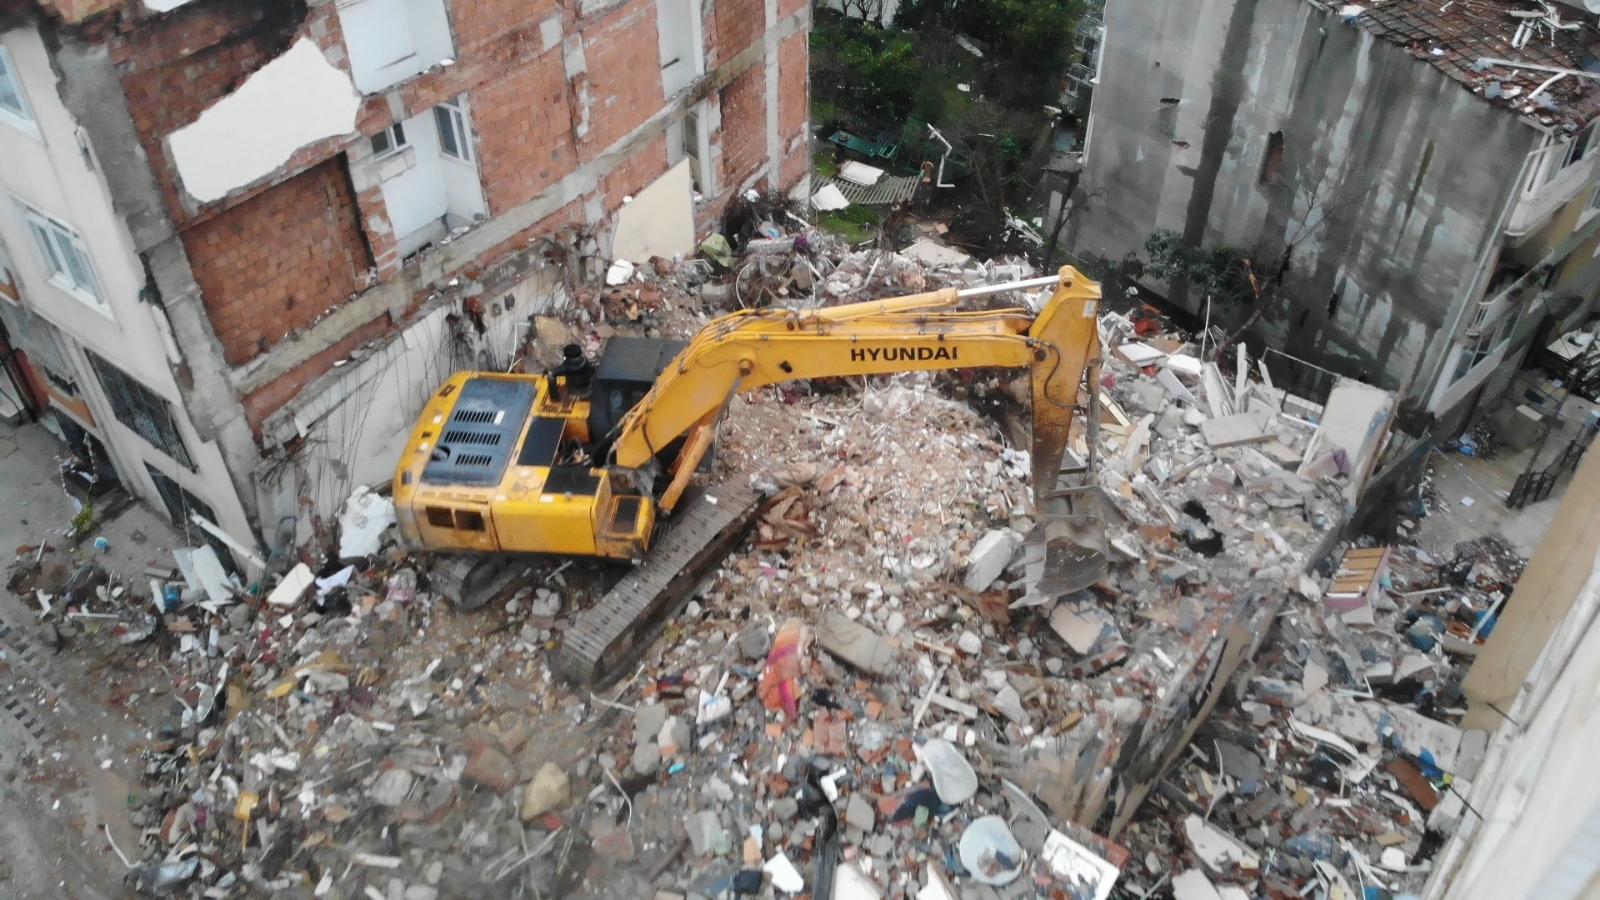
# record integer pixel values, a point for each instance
(867, 700)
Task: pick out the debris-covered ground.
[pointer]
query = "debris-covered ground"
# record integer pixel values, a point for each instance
(865, 700)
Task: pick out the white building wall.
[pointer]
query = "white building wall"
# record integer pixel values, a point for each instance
(354, 422)
(54, 170)
(1539, 835)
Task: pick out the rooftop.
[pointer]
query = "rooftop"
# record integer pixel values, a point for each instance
(1546, 39)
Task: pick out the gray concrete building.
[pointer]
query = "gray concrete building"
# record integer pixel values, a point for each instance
(1429, 168)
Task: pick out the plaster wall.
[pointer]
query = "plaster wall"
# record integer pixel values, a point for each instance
(58, 172)
(1262, 124)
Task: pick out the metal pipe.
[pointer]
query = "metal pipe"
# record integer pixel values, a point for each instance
(984, 290)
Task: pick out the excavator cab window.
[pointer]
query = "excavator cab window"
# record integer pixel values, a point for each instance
(627, 371)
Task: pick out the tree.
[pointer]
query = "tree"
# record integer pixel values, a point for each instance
(997, 143)
(872, 72)
(1029, 41)
(1233, 277)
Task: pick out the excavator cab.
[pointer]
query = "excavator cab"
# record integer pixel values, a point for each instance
(627, 371)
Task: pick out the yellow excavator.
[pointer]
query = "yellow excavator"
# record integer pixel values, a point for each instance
(597, 461)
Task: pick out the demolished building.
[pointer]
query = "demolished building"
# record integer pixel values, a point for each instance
(237, 239)
(866, 696)
(1420, 175)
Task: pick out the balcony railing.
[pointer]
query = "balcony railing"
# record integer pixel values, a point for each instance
(1547, 184)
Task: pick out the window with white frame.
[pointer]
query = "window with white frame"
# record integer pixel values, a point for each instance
(10, 285)
(433, 187)
(455, 139)
(13, 104)
(390, 140)
(1492, 339)
(1579, 148)
(64, 256)
(1592, 205)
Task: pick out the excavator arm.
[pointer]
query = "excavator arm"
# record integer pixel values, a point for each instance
(755, 348)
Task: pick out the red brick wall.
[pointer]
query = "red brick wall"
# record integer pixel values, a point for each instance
(264, 401)
(623, 56)
(278, 261)
(739, 23)
(744, 127)
(793, 78)
(173, 67)
(479, 22)
(524, 132)
(636, 174)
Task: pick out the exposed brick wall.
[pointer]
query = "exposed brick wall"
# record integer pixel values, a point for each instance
(794, 100)
(788, 8)
(623, 53)
(744, 127)
(174, 67)
(524, 132)
(264, 401)
(277, 262)
(636, 174)
(477, 23)
(739, 23)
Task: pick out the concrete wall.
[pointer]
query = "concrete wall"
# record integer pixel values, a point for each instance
(1536, 831)
(1391, 182)
(60, 171)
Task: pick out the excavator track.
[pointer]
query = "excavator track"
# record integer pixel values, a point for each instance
(615, 632)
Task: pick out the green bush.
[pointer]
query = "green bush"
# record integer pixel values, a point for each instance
(854, 223)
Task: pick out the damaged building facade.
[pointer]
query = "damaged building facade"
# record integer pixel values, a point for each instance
(242, 243)
(1426, 175)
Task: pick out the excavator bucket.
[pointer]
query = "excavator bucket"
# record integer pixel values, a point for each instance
(1068, 505)
(1065, 488)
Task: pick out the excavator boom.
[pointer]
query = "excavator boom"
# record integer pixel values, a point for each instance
(754, 348)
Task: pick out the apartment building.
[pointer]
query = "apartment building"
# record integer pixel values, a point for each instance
(245, 240)
(1427, 170)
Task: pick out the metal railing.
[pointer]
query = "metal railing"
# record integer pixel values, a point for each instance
(1536, 484)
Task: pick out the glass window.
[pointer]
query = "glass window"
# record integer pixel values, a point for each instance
(11, 99)
(63, 254)
(453, 137)
(142, 410)
(389, 140)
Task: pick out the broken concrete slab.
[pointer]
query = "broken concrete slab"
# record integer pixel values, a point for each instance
(859, 814)
(1235, 430)
(855, 643)
(1221, 852)
(1081, 630)
(990, 556)
(1193, 884)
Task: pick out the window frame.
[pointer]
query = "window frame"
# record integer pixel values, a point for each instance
(22, 119)
(680, 138)
(1579, 148)
(394, 137)
(450, 115)
(57, 244)
(141, 410)
(1591, 206)
(1486, 345)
